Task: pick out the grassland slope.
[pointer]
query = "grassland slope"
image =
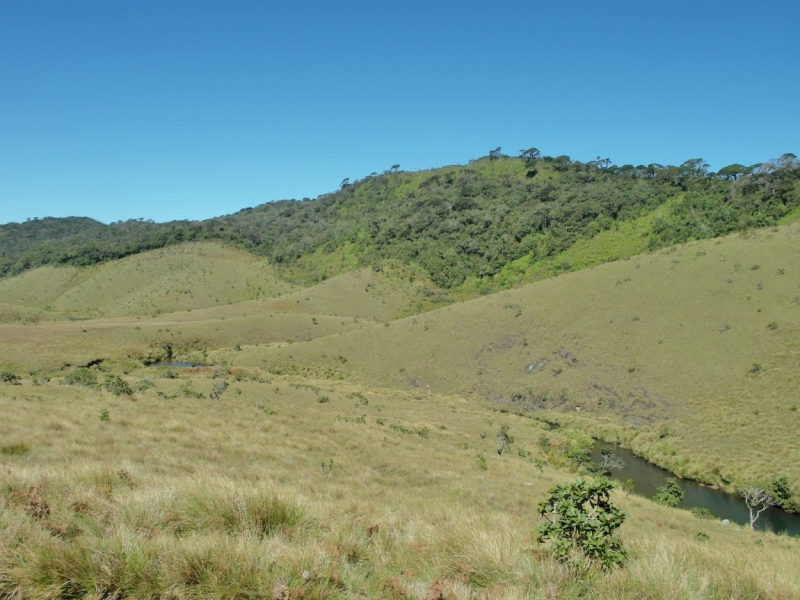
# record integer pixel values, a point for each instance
(184, 277)
(690, 355)
(289, 488)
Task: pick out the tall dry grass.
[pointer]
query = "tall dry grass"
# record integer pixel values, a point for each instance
(194, 498)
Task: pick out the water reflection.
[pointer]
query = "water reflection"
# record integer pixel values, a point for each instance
(184, 365)
(647, 477)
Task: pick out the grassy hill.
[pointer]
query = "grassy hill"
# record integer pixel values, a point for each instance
(698, 342)
(189, 276)
(283, 488)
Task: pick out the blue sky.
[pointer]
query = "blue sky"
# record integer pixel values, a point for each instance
(170, 110)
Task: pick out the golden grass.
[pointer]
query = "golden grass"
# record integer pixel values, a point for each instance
(193, 498)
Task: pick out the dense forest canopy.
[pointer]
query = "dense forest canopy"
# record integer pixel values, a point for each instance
(454, 222)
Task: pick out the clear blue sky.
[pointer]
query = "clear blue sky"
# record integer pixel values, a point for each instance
(168, 110)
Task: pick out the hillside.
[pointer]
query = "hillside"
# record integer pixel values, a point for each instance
(178, 278)
(285, 488)
(189, 298)
(699, 341)
(460, 224)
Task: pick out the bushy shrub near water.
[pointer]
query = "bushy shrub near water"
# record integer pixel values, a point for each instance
(581, 522)
(669, 494)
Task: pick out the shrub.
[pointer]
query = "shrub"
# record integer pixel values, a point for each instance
(361, 419)
(188, 392)
(10, 377)
(702, 513)
(504, 439)
(480, 461)
(628, 487)
(580, 523)
(421, 432)
(143, 385)
(82, 377)
(104, 416)
(117, 385)
(780, 490)
(669, 494)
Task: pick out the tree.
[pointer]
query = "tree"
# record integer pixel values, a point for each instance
(610, 462)
(694, 167)
(601, 163)
(394, 168)
(669, 494)
(505, 440)
(494, 154)
(758, 500)
(345, 183)
(732, 172)
(530, 155)
(581, 522)
(787, 161)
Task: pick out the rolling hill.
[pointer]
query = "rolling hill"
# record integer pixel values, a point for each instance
(188, 276)
(700, 341)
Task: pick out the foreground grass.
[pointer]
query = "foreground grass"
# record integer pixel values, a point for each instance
(185, 497)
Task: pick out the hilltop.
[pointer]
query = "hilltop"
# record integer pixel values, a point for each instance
(463, 225)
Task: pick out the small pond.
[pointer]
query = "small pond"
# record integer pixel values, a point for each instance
(647, 477)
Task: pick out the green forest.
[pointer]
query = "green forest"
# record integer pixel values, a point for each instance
(454, 222)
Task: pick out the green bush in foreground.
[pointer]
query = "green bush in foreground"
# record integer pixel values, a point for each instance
(580, 523)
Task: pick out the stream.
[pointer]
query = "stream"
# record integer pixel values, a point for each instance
(647, 477)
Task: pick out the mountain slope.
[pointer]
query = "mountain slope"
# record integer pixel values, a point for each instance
(457, 223)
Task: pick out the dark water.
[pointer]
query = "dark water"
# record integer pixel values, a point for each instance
(184, 365)
(647, 477)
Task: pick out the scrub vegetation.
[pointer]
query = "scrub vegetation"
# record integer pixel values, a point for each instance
(380, 372)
